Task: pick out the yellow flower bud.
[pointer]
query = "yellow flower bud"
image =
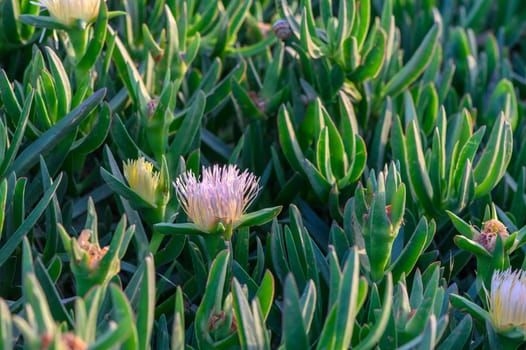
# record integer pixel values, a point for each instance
(142, 179)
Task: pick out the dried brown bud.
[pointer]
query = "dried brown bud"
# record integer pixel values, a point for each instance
(151, 106)
(282, 29)
(94, 251)
(72, 342)
(488, 236)
(260, 103)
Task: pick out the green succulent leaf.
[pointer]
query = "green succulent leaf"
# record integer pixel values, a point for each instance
(259, 217)
(416, 65)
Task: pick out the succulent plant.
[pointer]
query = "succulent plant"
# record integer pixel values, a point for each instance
(262, 174)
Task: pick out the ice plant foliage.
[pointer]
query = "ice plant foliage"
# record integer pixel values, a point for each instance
(142, 178)
(69, 11)
(506, 300)
(221, 196)
(374, 135)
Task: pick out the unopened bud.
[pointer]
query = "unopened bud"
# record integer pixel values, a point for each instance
(282, 29)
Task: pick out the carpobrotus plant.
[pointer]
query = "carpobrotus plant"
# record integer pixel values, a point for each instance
(492, 245)
(216, 203)
(379, 208)
(92, 265)
(198, 120)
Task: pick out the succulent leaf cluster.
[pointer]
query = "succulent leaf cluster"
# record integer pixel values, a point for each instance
(290, 174)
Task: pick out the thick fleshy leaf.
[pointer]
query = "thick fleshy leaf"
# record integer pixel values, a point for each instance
(259, 217)
(415, 66)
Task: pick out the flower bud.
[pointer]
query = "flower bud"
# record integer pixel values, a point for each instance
(95, 253)
(282, 29)
(488, 236)
(142, 179)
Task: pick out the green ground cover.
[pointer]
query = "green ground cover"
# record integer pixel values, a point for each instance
(262, 174)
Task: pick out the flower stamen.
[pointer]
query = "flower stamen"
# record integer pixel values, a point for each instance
(142, 179)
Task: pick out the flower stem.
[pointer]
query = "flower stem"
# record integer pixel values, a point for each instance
(79, 41)
(155, 242)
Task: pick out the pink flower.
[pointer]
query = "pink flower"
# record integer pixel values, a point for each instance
(221, 197)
